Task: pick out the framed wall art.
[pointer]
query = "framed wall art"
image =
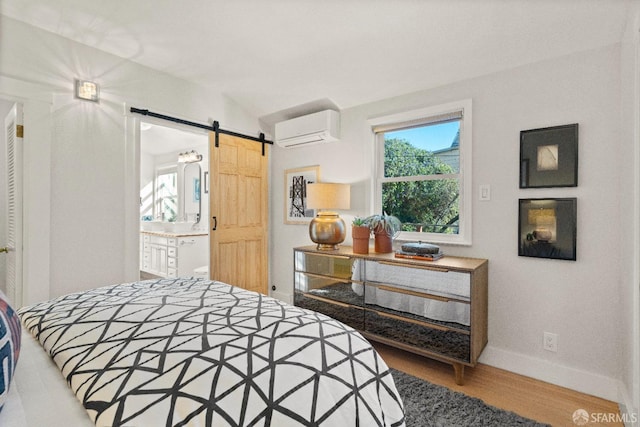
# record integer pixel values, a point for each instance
(295, 194)
(547, 228)
(549, 157)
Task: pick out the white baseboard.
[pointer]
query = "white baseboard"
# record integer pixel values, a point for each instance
(630, 415)
(564, 376)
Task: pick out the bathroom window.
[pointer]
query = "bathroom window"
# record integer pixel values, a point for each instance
(423, 172)
(166, 191)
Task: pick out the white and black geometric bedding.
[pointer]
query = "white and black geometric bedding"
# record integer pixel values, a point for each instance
(190, 352)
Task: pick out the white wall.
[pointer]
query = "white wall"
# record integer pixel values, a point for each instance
(578, 300)
(630, 214)
(82, 205)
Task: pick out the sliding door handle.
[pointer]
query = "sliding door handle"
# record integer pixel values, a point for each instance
(215, 223)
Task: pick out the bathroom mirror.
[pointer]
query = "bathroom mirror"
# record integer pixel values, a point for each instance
(192, 193)
(171, 178)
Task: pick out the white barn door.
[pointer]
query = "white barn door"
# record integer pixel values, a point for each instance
(14, 137)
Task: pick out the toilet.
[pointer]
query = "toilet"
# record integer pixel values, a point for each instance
(201, 272)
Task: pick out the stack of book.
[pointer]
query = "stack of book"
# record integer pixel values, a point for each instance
(422, 257)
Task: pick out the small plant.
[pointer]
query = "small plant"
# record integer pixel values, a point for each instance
(384, 222)
(359, 222)
(361, 233)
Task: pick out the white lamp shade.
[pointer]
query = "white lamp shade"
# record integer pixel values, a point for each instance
(323, 195)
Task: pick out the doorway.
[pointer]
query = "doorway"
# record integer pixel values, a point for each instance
(174, 202)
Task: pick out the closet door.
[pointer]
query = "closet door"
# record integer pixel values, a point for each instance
(238, 200)
(13, 134)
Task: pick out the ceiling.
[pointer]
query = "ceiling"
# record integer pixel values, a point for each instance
(157, 140)
(273, 55)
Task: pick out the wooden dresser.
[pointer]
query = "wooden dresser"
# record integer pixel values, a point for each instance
(434, 308)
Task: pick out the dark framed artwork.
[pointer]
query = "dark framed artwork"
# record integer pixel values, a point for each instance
(295, 194)
(547, 228)
(549, 157)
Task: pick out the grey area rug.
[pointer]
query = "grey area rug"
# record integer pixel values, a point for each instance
(428, 405)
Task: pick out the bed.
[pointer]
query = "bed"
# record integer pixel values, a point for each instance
(193, 352)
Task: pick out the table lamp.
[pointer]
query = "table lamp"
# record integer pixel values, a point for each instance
(327, 229)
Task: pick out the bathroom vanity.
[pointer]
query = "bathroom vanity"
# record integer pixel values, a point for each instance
(434, 308)
(168, 254)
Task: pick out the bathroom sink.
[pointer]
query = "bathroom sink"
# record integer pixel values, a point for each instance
(152, 225)
(178, 227)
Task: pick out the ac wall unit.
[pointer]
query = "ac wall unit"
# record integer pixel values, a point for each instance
(315, 128)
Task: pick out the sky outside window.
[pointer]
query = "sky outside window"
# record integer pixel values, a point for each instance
(430, 137)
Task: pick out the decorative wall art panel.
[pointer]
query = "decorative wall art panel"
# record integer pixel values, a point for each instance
(295, 191)
(549, 157)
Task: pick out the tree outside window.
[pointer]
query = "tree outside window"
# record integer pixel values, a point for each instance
(423, 171)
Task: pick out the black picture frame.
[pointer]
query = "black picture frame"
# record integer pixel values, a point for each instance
(549, 157)
(547, 228)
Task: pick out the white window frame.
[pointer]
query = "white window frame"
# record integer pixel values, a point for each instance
(400, 120)
(164, 169)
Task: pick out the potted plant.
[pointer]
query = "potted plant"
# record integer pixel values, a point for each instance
(385, 228)
(360, 233)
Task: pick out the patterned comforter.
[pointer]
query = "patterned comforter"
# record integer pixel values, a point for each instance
(191, 352)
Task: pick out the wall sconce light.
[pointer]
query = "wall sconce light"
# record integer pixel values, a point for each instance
(327, 229)
(189, 157)
(88, 91)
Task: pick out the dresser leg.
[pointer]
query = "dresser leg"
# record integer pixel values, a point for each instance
(458, 369)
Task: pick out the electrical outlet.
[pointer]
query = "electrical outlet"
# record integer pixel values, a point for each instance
(550, 342)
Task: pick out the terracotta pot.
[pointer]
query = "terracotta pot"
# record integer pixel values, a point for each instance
(382, 242)
(360, 237)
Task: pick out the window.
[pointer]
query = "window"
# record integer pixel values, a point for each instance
(167, 193)
(423, 172)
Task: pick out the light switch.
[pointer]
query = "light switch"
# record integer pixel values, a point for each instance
(485, 192)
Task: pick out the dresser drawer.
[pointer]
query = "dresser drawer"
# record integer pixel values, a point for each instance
(172, 251)
(442, 282)
(326, 287)
(347, 314)
(417, 304)
(441, 340)
(325, 265)
(172, 262)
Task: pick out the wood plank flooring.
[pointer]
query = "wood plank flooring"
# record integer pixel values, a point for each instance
(525, 396)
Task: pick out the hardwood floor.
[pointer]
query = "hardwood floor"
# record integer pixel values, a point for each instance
(525, 396)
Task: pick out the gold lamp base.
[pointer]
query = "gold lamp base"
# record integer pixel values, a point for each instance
(327, 230)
